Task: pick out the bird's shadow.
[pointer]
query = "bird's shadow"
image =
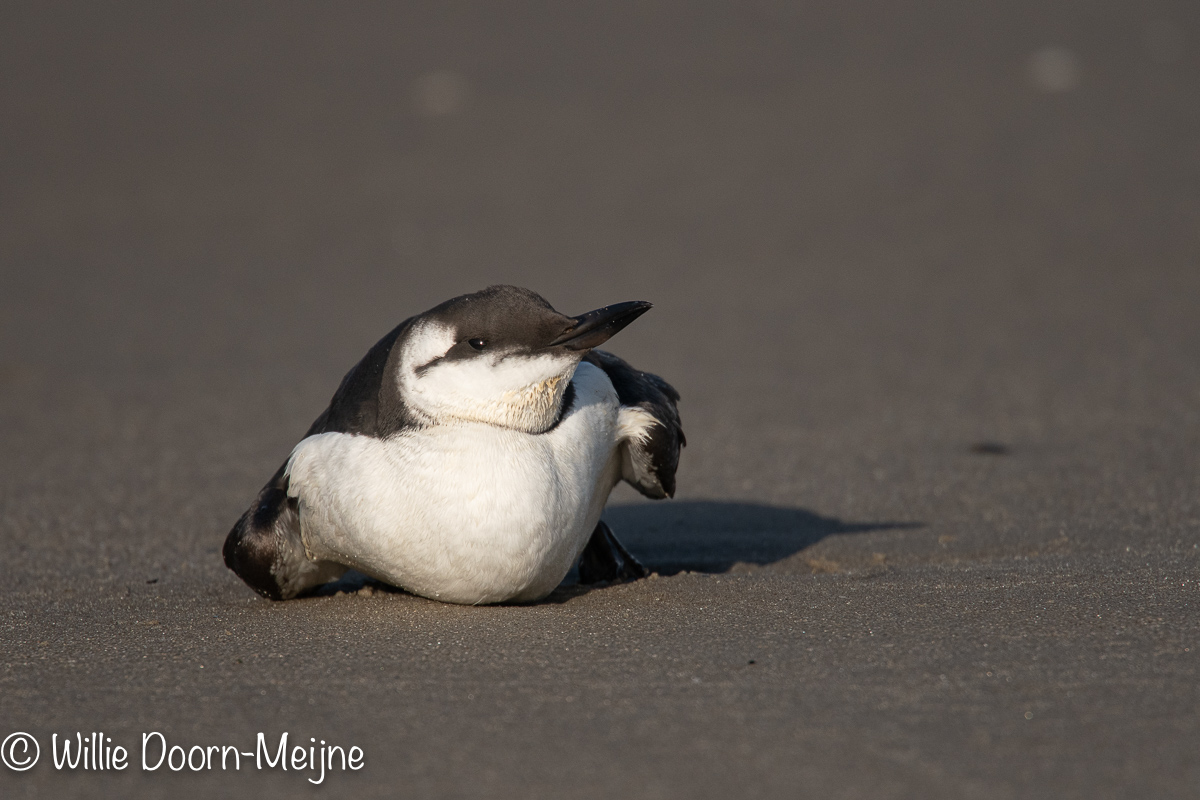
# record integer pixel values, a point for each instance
(697, 536)
(714, 536)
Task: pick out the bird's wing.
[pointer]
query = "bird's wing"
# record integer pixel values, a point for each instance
(265, 547)
(649, 423)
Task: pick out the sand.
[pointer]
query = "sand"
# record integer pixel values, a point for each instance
(926, 281)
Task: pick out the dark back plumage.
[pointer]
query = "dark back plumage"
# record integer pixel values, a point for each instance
(364, 403)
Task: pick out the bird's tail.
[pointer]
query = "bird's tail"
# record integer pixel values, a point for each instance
(266, 551)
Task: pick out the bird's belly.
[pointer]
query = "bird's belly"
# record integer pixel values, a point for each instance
(465, 513)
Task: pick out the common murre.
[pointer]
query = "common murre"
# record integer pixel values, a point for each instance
(467, 458)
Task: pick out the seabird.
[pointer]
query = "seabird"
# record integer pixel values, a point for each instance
(467, 458)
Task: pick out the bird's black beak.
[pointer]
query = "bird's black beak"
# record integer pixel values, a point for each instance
(596, 327)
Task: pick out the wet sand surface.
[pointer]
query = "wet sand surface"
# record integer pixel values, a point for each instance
(927, 281)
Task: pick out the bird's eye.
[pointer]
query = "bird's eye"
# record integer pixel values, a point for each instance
(478, 344)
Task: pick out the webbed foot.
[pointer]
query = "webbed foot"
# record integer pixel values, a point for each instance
(605, 559)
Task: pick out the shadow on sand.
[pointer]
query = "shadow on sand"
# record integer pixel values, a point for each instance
(712, 536)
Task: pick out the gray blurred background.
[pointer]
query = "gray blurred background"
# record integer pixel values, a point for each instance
(925, 276)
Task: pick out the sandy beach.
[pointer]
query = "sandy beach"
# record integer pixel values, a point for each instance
(927, 282)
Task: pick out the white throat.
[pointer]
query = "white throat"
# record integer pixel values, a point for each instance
(519, 392)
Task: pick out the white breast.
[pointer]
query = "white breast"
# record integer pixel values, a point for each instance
(469, 512)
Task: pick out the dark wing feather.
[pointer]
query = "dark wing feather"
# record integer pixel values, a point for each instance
(655, 460)
(265, 548)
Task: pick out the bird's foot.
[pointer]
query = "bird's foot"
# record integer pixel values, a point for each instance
(605, 560)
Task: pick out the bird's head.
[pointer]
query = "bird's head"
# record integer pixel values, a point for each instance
(502, 356)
